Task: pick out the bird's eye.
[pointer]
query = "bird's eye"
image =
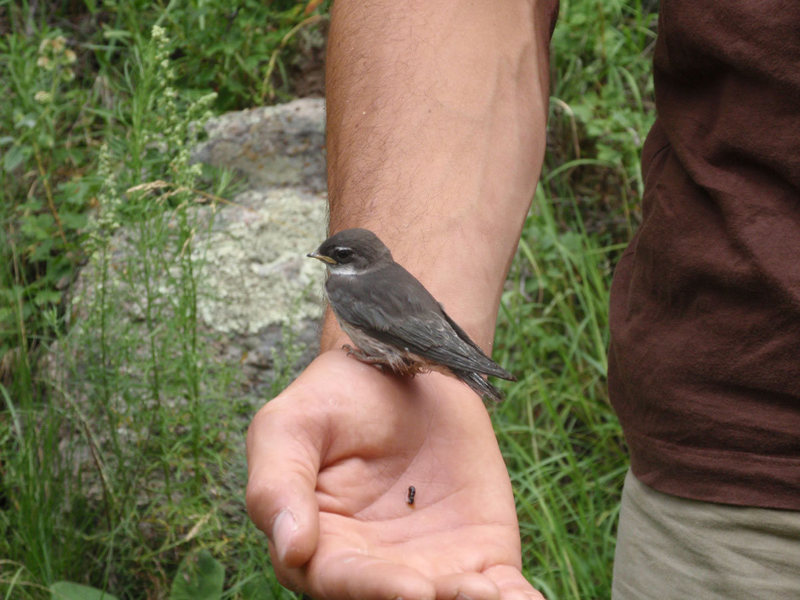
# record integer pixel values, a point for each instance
(341, 254)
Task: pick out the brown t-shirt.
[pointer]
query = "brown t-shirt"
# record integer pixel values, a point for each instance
(705, 311)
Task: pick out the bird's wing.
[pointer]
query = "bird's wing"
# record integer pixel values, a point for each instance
(395, 308)
(497, 370)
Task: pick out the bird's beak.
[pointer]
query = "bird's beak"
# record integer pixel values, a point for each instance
(322, 257)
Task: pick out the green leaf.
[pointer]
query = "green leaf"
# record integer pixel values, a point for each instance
(257, 588)
(45, 297)
(76, 192)
(200, 577)
(73, 220)
(14, 156)
(66, 590)
(117, 34)
(40, 250)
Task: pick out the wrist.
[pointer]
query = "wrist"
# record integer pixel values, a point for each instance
(332, 337)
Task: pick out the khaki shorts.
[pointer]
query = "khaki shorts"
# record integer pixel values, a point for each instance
(670, 547)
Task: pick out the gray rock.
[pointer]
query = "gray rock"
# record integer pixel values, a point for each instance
(260, 291)
(259, 299)
(254, 268)
(272, 146)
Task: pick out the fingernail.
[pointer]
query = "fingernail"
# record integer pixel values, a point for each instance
(282, 532)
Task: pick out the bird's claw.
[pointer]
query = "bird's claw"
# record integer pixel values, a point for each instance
(361, 356)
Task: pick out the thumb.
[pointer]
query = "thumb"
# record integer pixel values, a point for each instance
(283, 461)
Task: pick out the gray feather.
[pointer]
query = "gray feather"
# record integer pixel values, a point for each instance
(479, 385)
(396, 309)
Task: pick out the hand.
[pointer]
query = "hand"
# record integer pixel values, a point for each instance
(330, 463)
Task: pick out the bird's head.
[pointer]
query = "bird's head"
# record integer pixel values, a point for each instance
(352, 251)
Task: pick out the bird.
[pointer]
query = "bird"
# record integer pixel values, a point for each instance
(393, 320)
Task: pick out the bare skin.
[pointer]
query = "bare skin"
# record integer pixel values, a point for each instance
(436, 115)
(341, 462)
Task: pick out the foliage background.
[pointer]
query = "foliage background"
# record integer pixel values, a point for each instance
(124, 473)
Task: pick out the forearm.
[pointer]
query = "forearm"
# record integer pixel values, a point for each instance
(436, 133)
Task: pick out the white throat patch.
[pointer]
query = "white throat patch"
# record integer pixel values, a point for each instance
(343, 270)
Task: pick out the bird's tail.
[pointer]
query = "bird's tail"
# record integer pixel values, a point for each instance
(479, 385)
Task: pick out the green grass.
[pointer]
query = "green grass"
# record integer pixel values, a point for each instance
(559, 436)
(560, 439)
(121, 454)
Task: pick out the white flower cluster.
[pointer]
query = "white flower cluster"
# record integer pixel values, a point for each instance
(178, 131)
(57, 58)
(106, 219)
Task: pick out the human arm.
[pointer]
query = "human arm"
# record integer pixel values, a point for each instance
(436, 117)
(436, 132)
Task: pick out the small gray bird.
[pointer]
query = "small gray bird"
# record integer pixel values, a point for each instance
(393, 320)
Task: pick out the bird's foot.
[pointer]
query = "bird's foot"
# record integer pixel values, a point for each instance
(360, 355)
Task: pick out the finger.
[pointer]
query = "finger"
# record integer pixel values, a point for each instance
(458, 586)
(353, 576)
(283, 460)
(511, 583)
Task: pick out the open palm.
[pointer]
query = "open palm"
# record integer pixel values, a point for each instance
(331, 461)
